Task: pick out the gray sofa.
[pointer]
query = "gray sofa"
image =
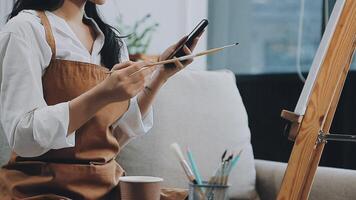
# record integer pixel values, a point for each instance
(330, 183)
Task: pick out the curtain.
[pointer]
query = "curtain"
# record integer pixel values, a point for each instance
(267, 32)
(328, 6)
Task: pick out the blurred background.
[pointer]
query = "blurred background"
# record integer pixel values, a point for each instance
(265, 63)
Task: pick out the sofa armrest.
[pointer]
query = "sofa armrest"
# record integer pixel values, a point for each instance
(329, 183)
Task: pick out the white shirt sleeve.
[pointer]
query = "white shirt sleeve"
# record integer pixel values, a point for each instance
(132, 124)
(30, 125)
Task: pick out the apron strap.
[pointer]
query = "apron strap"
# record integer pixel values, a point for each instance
(49, 34)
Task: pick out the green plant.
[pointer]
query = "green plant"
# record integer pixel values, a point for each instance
(139, 35)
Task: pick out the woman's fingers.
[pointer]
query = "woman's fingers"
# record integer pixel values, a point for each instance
(135, 72)
(179, 64)
(173, 47)
(194, 44)
(121, 65)
(141, 73)
(196, 40)
(181, 41)
(127, 80)
(188, 52)
(134, 67)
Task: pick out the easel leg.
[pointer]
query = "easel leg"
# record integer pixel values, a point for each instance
(327, 125)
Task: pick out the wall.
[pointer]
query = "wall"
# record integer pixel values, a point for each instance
(176, 18)
(5, 9)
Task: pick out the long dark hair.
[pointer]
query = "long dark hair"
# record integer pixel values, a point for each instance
(110, 53)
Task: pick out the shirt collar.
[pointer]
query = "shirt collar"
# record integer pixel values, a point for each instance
(100, 34)
(62, 26)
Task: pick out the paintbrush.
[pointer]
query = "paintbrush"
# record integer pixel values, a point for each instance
(194, 167)
(188, 172)
(234, 161)
(183, 58)
(225, 174)
(187, 57)
(223, 156)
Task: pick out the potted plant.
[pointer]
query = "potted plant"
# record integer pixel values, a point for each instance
(139, 37)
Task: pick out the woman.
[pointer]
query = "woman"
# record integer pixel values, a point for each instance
(65, 117)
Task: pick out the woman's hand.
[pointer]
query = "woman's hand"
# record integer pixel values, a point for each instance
(126, 80)
(164, 73)
(161, 75)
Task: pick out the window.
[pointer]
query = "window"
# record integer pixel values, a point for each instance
(268, 34)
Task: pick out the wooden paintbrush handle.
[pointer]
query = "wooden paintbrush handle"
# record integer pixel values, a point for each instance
(187, 57)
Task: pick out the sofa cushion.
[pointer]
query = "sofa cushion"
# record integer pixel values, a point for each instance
(329, 184)
(203, 111)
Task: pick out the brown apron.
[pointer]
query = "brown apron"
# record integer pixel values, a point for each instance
(86, 171)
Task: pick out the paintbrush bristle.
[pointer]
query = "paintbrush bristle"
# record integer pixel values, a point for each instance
(223, 156)
(239, 154)
(229, 158)
(177, 150)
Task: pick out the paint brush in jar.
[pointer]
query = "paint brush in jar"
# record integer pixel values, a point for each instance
(187, 170)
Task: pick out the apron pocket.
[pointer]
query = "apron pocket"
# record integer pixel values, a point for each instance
(92, 181)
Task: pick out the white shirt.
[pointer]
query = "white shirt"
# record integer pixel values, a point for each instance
(30, 125)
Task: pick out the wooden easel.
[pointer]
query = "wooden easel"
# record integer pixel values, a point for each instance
(311, 130)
